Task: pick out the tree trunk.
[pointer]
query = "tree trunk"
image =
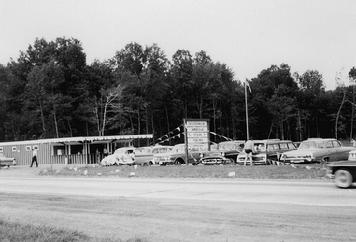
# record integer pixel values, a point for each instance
(96, 113)
(200, 107)
(70, 128)
(282, 130)
(270, 130)
(42, 120)
(352, 112)
(167, 118)
(104, 118)
(152, 127)
(147, 121)
(300, 126)
(55, 121)
(132, 123)
(138, 121)
(338, 113)
(214, 115)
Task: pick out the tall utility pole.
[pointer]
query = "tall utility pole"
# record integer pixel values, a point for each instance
(246, 109)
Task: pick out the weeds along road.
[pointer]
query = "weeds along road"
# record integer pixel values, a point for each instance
(184, 210)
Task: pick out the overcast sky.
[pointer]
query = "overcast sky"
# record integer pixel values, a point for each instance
(247, 35)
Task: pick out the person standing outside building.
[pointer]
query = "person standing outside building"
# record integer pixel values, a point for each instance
(34, 157)
(249, 147)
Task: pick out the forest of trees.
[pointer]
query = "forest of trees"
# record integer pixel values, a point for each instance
(51, 91)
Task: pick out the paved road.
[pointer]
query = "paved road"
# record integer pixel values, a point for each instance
(274, 192)
(184, 210)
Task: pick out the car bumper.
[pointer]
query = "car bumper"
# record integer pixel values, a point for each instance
(213, 161)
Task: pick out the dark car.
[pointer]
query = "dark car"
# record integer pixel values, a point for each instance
(344, 172)
(231, 149)
(214, 157)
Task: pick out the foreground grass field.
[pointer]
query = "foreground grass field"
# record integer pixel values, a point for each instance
(14, 232)
(18, 232)
(200, 171)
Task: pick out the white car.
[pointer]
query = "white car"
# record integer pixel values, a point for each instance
(121, 156)
(6, 161)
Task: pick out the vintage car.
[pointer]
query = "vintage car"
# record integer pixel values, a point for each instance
(344, 172)
(144, 155)
(214, 157)
(177, 156)
(267, 151)
(317, 150)
(6, 161)
(121, 156)
(224, 153)
(231, 149)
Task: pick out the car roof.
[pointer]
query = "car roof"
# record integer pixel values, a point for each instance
(232, 142)
(320, 139)
(272, 141)
(126, 148)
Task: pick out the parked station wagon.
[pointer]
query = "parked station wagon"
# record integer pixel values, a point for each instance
(317, 150)
(267, 151)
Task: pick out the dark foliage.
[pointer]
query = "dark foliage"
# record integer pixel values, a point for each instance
(50, 91)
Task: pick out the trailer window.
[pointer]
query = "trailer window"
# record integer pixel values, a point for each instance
(14, 148)
(28, 148)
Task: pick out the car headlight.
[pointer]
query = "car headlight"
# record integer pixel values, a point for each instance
(223, 153)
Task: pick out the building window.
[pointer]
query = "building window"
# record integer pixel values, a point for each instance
(28, 148)
(1, 149)
(14, 148)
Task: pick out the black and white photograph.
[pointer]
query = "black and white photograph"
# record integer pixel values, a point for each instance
(177, 120)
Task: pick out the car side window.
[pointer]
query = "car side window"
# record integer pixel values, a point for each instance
(291, 146)
(329, 144)
(336, 144)
(283, 146)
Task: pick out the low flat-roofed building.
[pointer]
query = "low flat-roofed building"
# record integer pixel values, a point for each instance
(68, 150)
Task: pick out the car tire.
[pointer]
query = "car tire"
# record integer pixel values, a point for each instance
(343, 178)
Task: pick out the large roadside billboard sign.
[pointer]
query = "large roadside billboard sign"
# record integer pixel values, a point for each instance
(197, 134)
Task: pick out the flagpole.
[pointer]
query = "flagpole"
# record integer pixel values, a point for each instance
(246, 109)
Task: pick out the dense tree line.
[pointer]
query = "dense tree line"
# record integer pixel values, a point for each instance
(51, 91)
